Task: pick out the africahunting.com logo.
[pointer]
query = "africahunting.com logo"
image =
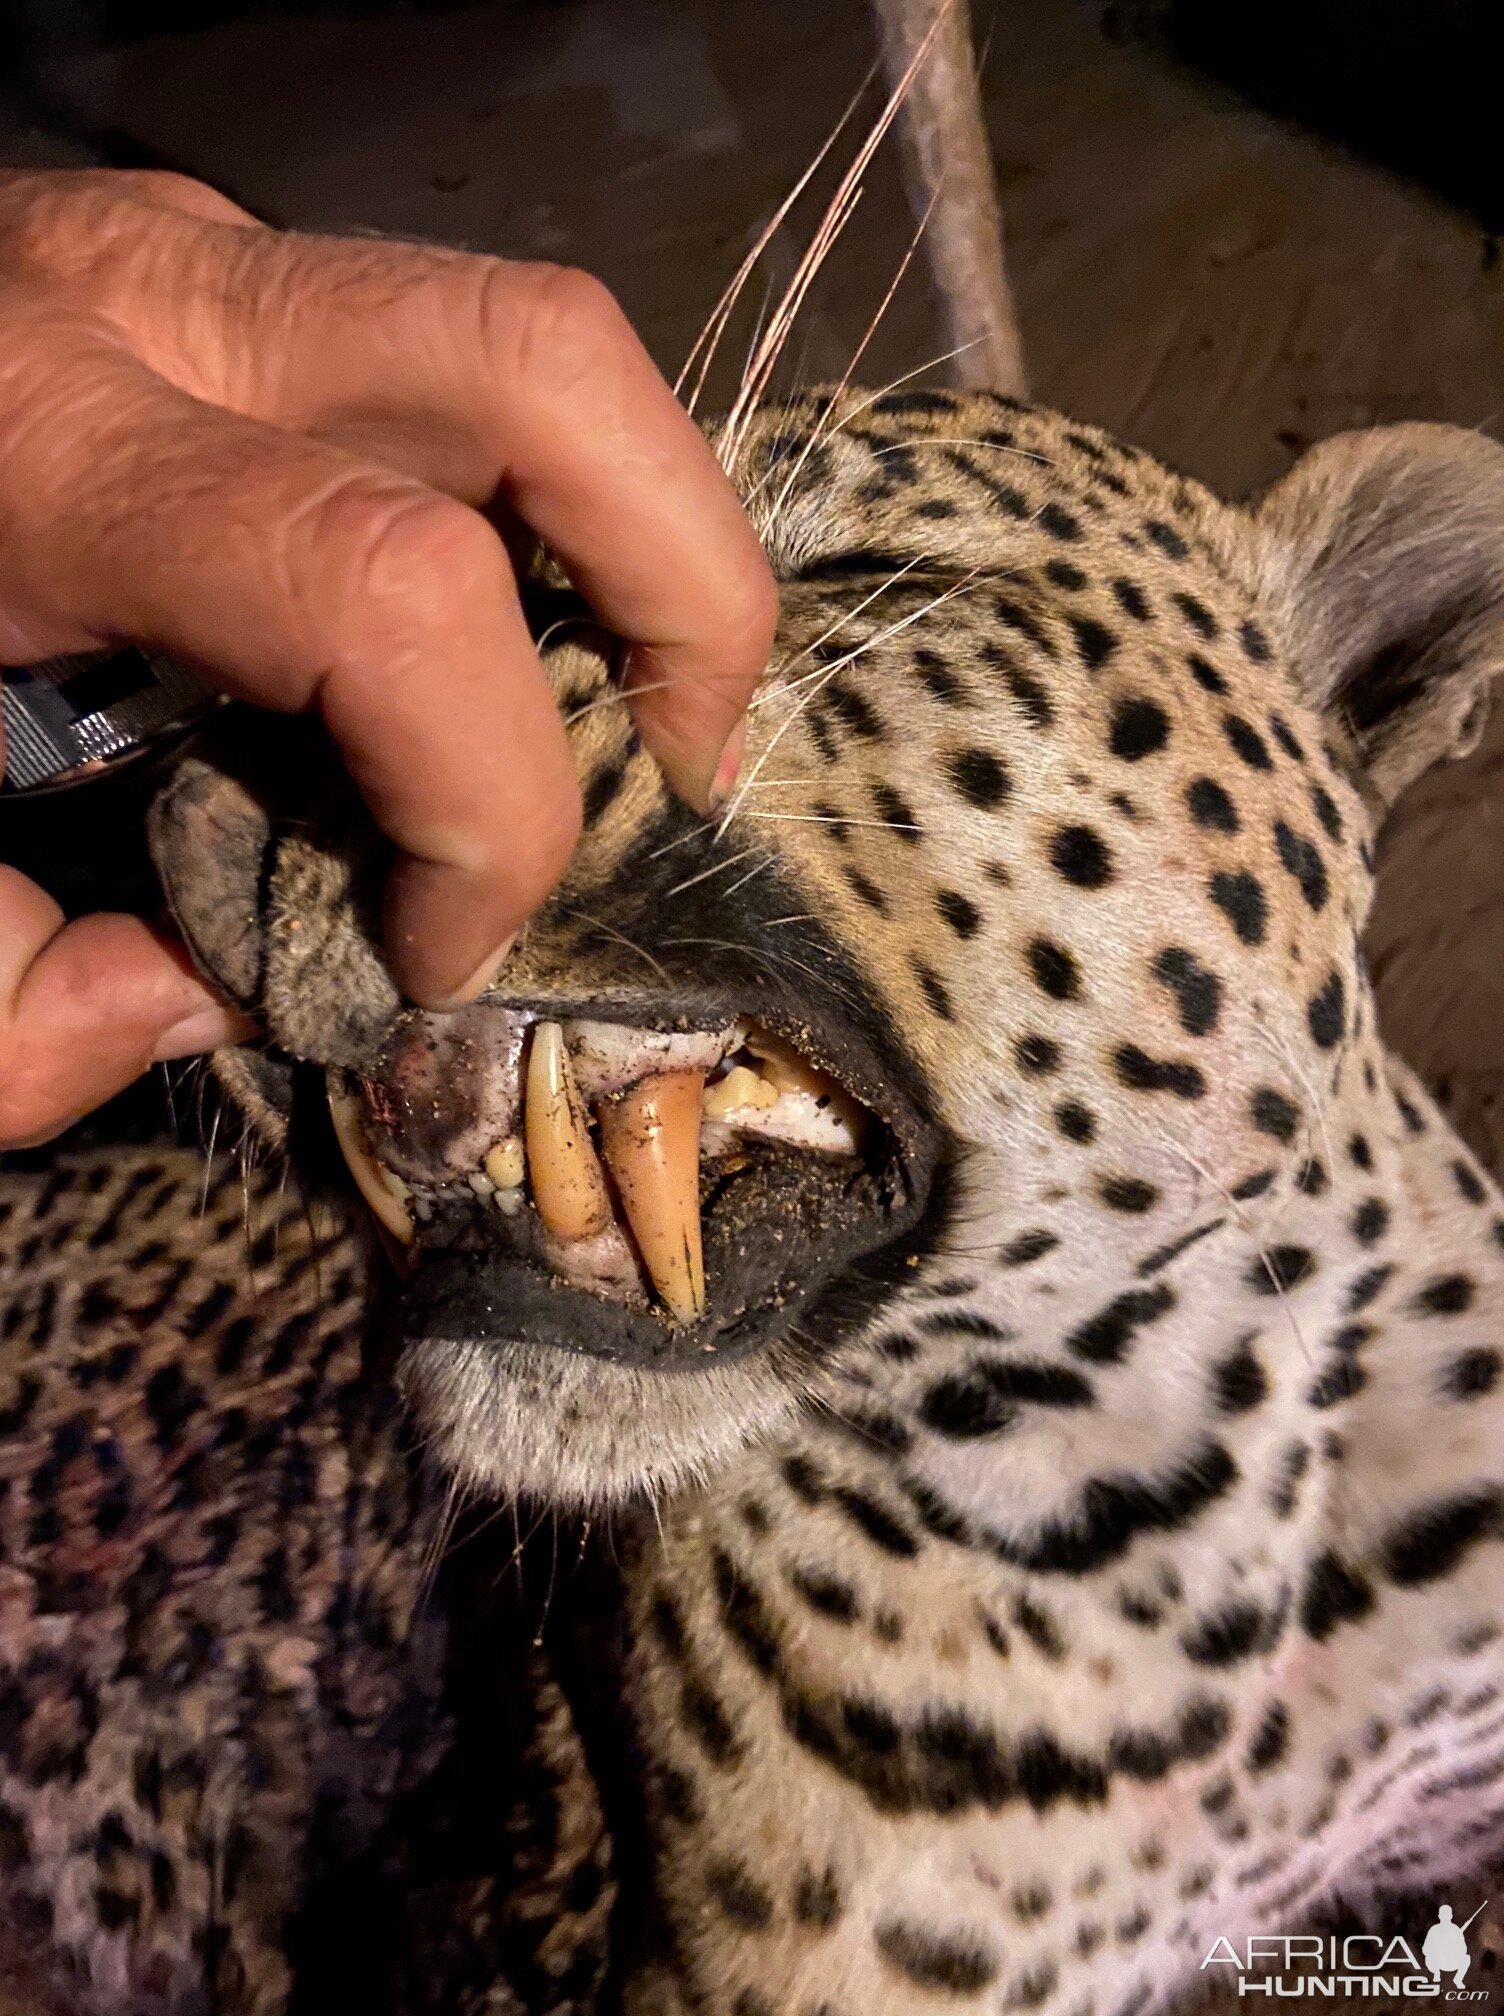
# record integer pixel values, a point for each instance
(1359, 1963)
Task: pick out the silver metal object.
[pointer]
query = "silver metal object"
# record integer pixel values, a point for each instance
(69, 719)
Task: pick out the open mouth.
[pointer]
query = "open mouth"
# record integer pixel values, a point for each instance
(642, 1193)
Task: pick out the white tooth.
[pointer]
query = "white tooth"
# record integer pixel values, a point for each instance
(506, 1163)
(569, 1185)
(738, 1089)
(651, 1135)
(385, 1192)
(508, 1202)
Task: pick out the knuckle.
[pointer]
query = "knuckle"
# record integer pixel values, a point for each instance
(551, 325)
(403, 557)
(166, 185)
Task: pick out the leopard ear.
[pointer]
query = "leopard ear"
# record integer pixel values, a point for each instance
(209, 839)
(1383, 571)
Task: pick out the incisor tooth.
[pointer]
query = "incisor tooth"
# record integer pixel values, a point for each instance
(783, 1065)
(569, 1185)
(651, 1135)
(506, 1163)
(384, 1191)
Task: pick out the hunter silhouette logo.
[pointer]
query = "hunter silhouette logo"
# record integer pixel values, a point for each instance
(1357, 1963)
(1445, 1950)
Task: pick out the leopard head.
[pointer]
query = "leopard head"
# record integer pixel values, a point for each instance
(1026, 950)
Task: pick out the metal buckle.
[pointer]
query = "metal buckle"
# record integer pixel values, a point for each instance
(67, 720)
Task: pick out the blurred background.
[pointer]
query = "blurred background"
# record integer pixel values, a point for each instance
(1231, 228)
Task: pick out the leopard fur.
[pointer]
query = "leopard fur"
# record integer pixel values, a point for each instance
(1110, 1566)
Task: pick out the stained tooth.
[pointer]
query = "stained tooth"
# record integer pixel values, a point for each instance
(651, 1135)
(506, 1163)
(383, 1190)
(783, 1065)
(738, 1090)
(569, 1185)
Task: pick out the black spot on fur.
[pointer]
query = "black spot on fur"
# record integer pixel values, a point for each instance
(1196, 613)
(826, 1594)
(985, 1399)
(601, 792)
(1055, 971)
(1326, 811)
(1239, 1382)
(1140, 728)
(1447, 1295)
(1227, 1636)
(1270, 1742)
(939, 680)
(1468, 1183)
(1370, 1221)
(1037, 1055)
(895, 811)
(1095, 643)
(1028, 1247)
(1252, 1186)
(1337, 1383)
(1272, 1113)
(1065, 574)
(1325, 1012)
(1162, 1256)
(1205, 674)
(741, 1899)
(1247, 742)
(1367, 1286)
(1432, 1540)
(1129, 1194)
(1081, 856)
(817, 1898)
(1210, 805)
(1241, 900)
(1334, 1593)
(1142, 1073)
(1111, 1513)
(855, 711)
(959, 912)
(1254, 642)
(1166, 538)
(864, 888)
(955, 1965)
(933, 989)
(1302, 860)
(1284, 735)
(1278, 1269)
(1075, 1121)
(1197, 990)
(1472, 1374)
(1131, 600)
(1106, 1338)
(979, 777)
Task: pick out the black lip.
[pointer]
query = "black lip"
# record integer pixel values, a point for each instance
(783, 1237)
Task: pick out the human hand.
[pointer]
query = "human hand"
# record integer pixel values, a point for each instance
(267, 453)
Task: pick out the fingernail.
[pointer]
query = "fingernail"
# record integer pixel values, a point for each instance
(488, 971)
(729, 768)
(205, 1029)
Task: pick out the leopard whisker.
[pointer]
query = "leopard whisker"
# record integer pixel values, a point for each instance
(828, 231)
(829, 672)
(715, 868)
(599, 924)
(716, 322)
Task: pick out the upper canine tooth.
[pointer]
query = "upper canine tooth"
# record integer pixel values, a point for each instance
(651, 1135)
(382, 1189)
(569, 1185)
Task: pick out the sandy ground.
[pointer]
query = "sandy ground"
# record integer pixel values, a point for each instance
(1207, 283)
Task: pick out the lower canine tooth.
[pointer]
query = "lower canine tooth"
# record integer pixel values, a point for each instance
(569, 1185)
(379, 1187)
(651, 1135)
